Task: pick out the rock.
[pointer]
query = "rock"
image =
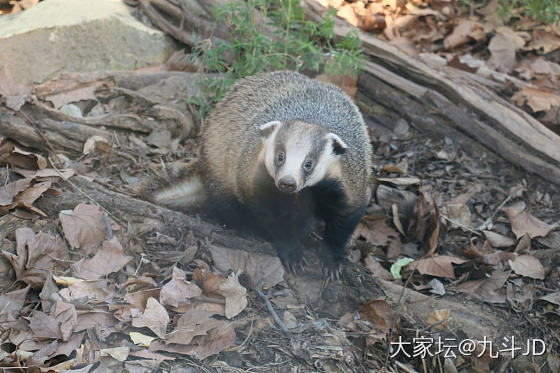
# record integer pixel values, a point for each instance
(77, 36)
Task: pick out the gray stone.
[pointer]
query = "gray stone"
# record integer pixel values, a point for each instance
(77, 36)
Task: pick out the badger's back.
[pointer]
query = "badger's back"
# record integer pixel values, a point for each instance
(231, 140)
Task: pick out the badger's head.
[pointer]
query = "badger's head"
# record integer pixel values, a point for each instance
(299, 154)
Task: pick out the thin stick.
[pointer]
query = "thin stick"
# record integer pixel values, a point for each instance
(282, 326)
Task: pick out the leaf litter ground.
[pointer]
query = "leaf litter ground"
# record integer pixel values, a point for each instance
(92, 293)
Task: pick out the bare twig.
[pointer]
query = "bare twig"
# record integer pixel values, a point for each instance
(282, 326)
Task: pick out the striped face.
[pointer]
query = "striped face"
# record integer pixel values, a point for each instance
(299, 154)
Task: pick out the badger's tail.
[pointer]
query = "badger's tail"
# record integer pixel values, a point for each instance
(187, 194)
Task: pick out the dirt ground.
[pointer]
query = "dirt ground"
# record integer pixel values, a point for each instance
(468, 289)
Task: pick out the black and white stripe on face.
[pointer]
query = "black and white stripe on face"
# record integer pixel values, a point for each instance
(299, 154)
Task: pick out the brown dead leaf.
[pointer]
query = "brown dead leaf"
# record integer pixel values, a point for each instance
(178, 291)
(44, 326)
(12, 302)
(96, 320)
(235, 294)
(261, 269)
(439, 317)
(9, 191)
(437, 265)
(523, 223)
(528, 266)
(139, 299)
(84, 227)
(117, 353)
(86, 291)
(155, 318)
(503, 47)
(71, 87)
(458, 210)
(28, 196)
(66, 348)
(498, 240)
(487, 289)
(376, 231)
(37, 255)
(191, 324)
(110, 258)
(11, 154)
(209, 282)
(216, 341)
(373, 19)
(43, 354)
(464, 32)
(545, 41)
(377, 269)
(379, 313)
(553, 298)
(347, 12)
(538, 99)
(66, 315)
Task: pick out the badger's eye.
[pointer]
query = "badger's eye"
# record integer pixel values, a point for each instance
(308, 164)
(280, 158)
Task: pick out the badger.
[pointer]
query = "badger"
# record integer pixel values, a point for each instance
(280, 152)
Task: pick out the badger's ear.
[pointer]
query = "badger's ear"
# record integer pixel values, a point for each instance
(268, 128)
(337, 145)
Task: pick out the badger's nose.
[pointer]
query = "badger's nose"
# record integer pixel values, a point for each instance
(287, 184)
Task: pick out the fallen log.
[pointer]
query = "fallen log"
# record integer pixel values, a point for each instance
(143, 109)
(448, 102)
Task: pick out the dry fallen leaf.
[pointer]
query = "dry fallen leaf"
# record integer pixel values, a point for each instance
(217, 340)
(117, 353)
(84, 227)
(12, 302)
(377, 269)
(178, 291)
(465, 31)
(139, 299)
(459, 211)
(66, 315)
(498, 240)
(37, 255)
(28, 196)
(503, 47)
(552, 298)
(376, 231)
(379, 313)
(193, 323)
(155, 318)
(44, 326)
(235, 294)
(538, 99)
(528, 266)
(545, 41)
(261, 269)
(141, 339)
(86, 291)
(110, 258)
(523, 223)
(9, 191)
(437, 265)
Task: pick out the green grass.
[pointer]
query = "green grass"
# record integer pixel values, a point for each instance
(302, 46)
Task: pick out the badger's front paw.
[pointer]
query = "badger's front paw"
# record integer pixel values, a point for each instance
(332, 267)
(291, 257)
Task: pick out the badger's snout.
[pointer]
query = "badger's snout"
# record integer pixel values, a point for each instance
(287, 184)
